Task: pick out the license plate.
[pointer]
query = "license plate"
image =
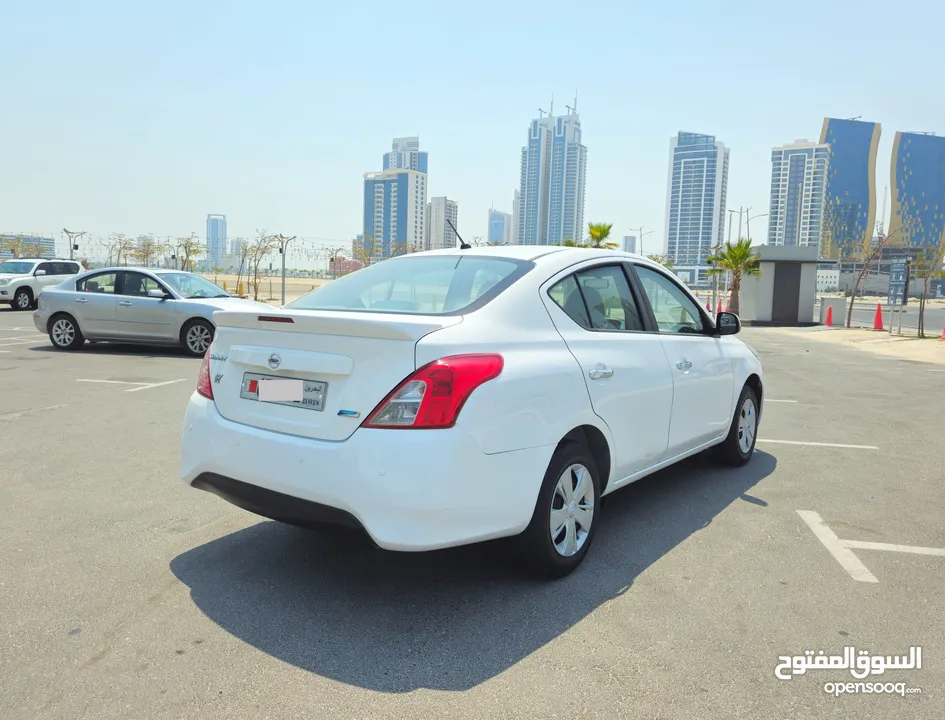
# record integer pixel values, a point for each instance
(313, 391)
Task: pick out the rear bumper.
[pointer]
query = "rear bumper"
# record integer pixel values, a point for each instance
(408, 490)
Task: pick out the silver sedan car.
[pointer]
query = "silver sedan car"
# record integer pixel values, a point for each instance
(134, 305)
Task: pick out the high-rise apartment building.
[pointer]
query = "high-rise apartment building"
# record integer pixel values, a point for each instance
(917, 180)
(500, 228)
(515, 238)
(629, 243)
(695, 203)
(850, 209)
(798, 193)
(216, 239)
(439, 234)
(394, 207)
(395, 200)
(552, 181)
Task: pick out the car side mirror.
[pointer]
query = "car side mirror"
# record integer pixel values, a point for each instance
(39, 273)
(159, 294)
(728, 323)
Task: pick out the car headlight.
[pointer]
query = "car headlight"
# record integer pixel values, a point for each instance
(4, 282)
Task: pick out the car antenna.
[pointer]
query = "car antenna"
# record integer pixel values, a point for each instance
(463, 245)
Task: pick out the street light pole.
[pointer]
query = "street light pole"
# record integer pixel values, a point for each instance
(641, 235)
(73, 235)
(748, 224)
(283, 245)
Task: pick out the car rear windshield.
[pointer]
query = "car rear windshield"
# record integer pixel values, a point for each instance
(423, 285)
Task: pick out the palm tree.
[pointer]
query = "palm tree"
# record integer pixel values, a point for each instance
(598, 236)
(665, 260)
(738, 259)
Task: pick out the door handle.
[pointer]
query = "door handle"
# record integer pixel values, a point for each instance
(600, 372)
(125, 302)
(82, 300)
(684, 365)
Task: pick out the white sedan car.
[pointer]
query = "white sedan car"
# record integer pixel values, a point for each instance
(457, 396)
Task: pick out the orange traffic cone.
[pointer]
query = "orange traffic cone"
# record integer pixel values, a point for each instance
(719, 308)
(878, 319)
(943, 334)
(728, 306)
(707, 306)
(828, 321)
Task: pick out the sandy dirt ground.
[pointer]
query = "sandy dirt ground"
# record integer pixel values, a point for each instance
(877, 342)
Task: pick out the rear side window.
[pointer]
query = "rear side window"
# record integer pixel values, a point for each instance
(438, 285)
(599, 298)
(101, 283)
(65, 268)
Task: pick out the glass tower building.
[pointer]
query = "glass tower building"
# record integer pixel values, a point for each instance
(216, 239)
(917, 181)
(552, 181)
(695, 203)
(850, 209)
(798, 192)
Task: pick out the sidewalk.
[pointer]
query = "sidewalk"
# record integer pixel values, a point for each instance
(874, 341)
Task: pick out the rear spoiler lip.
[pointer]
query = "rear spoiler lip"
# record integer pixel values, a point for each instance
(381, 326)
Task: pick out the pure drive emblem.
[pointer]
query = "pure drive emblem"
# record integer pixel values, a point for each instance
(274, 360)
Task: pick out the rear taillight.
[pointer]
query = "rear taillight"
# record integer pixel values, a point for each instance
(433, 396)
(203, 378)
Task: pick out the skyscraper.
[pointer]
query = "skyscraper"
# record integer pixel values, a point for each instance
(394, 204)
(405, 154)
(798, 193)
(515, 238)
(395, 200)
(917, 179)
(439, 235)
(695, 203)
(552, 180)
(850, 209)
(629, 243)
(216, 239)
(500, 228)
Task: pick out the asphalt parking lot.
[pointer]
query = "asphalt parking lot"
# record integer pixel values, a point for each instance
(125, 594)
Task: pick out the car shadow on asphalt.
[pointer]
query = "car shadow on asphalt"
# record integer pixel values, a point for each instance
(445, 620)
(119, 349)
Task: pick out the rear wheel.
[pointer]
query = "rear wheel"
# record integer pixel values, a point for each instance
(196, 337)
(739, 446)
(23, 299)
(64, 333)
(566, 514)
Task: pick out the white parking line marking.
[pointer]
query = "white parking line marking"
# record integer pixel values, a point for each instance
(14, 416)
(23, 342)
(818, 444)
(111, 382)
(864, 545)
(784, 401)
(154, 385)
(835, 546)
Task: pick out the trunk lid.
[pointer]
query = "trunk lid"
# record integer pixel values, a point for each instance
(348, 362)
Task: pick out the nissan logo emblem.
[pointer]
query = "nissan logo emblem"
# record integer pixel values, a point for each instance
(274, 360)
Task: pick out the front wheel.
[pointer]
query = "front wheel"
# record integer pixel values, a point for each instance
(196, 337)
(566, 514)
(23, 299)
(65, 334)
(739, 445)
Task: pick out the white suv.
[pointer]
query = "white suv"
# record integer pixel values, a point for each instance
(21, 281)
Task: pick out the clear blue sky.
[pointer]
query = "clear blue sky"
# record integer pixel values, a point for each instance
(134, 117)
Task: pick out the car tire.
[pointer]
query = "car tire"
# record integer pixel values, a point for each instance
(196, 337)
(554, 553)
(22, 299)
(739, 445)
(64, 333)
